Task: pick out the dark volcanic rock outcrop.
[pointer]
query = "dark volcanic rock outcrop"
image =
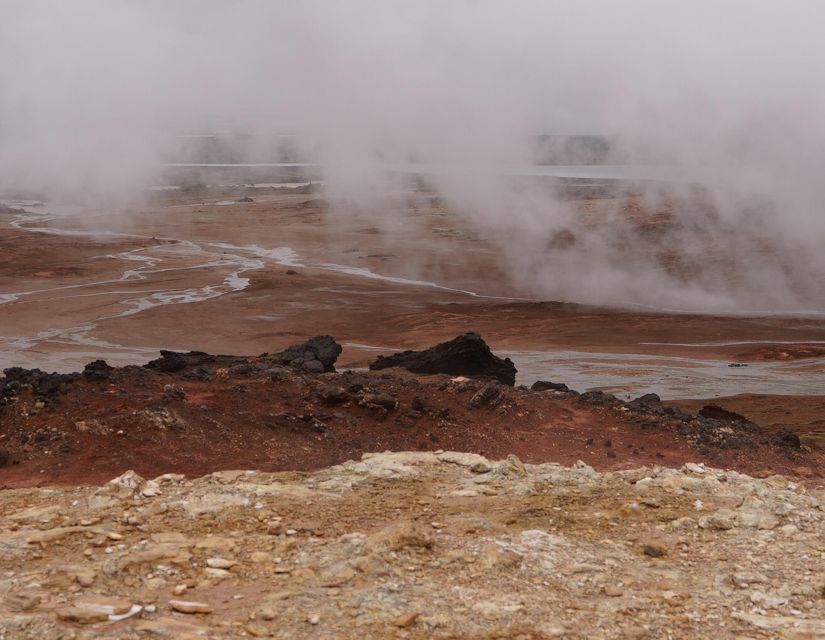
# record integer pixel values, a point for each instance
(715, 412)
(174, 361)
(546, 385)
(97, 370)
(316, 355)
(44, 385)
(466, 355)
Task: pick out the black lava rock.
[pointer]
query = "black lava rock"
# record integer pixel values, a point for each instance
(546, 385)
(97, 370)
(466, 355)
(316, 355)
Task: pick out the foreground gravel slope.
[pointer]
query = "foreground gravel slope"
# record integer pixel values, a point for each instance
(417, 545)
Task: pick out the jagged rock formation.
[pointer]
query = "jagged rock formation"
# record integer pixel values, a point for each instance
(466, 355)
(316, 355)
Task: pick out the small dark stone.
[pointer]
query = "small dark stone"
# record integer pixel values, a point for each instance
(334, 395)
(174, 392)
(169, 362)
(490, 395)
(383, 400)
(243, 369)
(418, 404)
(647, 402)
(546, 385)
(599, 398)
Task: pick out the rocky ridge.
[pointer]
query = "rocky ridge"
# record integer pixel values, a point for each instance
(417, 545)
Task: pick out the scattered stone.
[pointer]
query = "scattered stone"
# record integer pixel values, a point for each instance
(490, 395)
(109, 606)
(380, 540)
(189, 606)
(173, 392)
(125, 486)
(379, 400)
(171, 628)
(716, 522)
(405, 620)
(546, 385)
(220, 563)
(599, 399)
(81, 616)
(334, 395)
(649, 402)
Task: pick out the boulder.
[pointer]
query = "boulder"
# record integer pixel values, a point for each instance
(466, 355)
(97, 370)
(546, 385)
(316, 355)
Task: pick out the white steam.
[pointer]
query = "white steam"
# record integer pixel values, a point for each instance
(95, 93)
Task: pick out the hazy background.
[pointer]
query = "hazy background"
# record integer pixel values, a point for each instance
(94, 93)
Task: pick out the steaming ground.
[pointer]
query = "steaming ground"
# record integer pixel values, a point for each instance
(250, 277)
(99, 95)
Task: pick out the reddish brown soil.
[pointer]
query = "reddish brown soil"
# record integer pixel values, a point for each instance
(97, 430)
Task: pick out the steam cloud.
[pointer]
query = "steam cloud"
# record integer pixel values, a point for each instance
(95, 93)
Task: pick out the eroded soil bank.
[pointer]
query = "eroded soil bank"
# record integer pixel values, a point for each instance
(198, 413)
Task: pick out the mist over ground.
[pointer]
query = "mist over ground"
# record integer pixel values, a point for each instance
(96, 94)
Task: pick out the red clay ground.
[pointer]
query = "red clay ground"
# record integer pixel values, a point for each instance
(96, 430)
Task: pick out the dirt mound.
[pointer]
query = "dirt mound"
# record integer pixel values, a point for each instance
(416, 545)
(221, 412)
(466, 355)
